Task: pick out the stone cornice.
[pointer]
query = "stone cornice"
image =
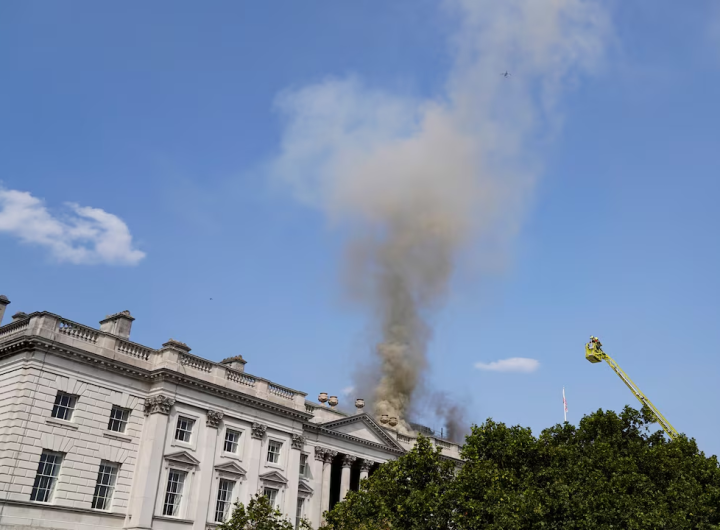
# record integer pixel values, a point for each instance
(34, 342)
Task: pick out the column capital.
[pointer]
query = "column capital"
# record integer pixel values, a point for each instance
(298, 441)
(258, 430)
(159, 404)
(213, 418)
(329, 455)
(366, 464)
(319, 453)
(348, 460)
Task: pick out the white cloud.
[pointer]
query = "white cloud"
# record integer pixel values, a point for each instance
(514, 364)
(83, 235)
(348, 390)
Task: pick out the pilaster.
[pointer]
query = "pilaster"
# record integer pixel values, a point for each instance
(293, 475)
(257, 434)
(327, 465)
(206, 492)
(149, 463)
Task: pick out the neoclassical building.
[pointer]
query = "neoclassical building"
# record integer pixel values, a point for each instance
(100, 432)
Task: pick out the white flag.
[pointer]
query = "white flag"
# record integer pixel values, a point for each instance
(565, 404)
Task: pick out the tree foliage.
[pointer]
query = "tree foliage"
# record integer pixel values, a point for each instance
(611, 471)
(259, 515)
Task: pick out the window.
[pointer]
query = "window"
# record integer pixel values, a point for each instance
(46, 477)
(273, 455)
(271, 494)
(118, 419)
(184, 429)
(64, 406)
(299, 512)
(104, 487)
(232, 438)
(303, 465)
(173, 494)
(222, 507)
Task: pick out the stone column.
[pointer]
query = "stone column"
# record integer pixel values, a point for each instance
(257, 432)
(365, 468)
(327, 466)
(149, 462)
(207, 487)
(348, 461)
(315, 507)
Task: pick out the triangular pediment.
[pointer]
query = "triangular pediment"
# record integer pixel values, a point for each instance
(231, 468)
(304, 487)
(273, 476)
(364, 427)
(182, 457)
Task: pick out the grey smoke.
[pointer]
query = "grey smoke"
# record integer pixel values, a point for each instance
(415, 184)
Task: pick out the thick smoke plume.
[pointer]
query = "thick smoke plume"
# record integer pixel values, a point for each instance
(416, 182)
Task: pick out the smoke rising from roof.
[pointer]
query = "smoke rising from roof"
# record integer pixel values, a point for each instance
(417, 182)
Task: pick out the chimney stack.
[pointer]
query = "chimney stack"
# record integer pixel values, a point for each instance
(118, 324)
(236, 363)
(3, 304)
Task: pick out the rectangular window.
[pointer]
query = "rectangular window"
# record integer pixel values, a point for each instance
(273, 455)
(46, 477)
(224, 498)
(299, 512)
(118, 419)
(232, 439)
(271, 494)
(105, 485)
(303, 465)
(184, 429)
(173, 494)
(64, 406)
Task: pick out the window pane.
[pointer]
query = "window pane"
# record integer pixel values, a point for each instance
(232, 439)
(184, 429)
(222, 507)
(118, 419)
(173, 494)
(104, 486)
(273, 455)
(48, 469)
(63, 407)
(303, 465)
(271, 494)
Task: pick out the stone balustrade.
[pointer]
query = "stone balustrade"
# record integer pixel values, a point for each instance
(104, 344)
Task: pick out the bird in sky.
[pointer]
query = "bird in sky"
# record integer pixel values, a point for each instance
(506, 74)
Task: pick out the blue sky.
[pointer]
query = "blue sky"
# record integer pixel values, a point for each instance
(166, 117)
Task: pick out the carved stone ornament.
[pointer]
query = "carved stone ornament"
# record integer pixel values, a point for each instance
(158, 404)
(213, 418)
(320, 453)
(348, 460)
(258, 430)
(329, 455)
(298, 441)
(366, 465)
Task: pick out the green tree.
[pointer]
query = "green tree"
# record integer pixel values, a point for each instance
(611, 471)
(259, 515)
(410, 492)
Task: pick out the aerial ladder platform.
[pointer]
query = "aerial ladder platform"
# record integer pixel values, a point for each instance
(595, 354)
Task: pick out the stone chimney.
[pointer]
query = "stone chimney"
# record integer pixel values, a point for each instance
(118, 324)
(3, 304)
(236, 363)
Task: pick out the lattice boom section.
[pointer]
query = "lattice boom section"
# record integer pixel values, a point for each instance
(240, 378)
(133, 350)
(77, 331)
(280, 391)
(196, 363)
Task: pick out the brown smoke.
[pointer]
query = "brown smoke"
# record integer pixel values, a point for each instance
(416, 182)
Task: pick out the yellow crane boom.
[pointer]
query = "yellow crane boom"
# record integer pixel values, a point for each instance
(595, 354)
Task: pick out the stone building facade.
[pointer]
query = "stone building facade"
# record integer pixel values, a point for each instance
(100, 432)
